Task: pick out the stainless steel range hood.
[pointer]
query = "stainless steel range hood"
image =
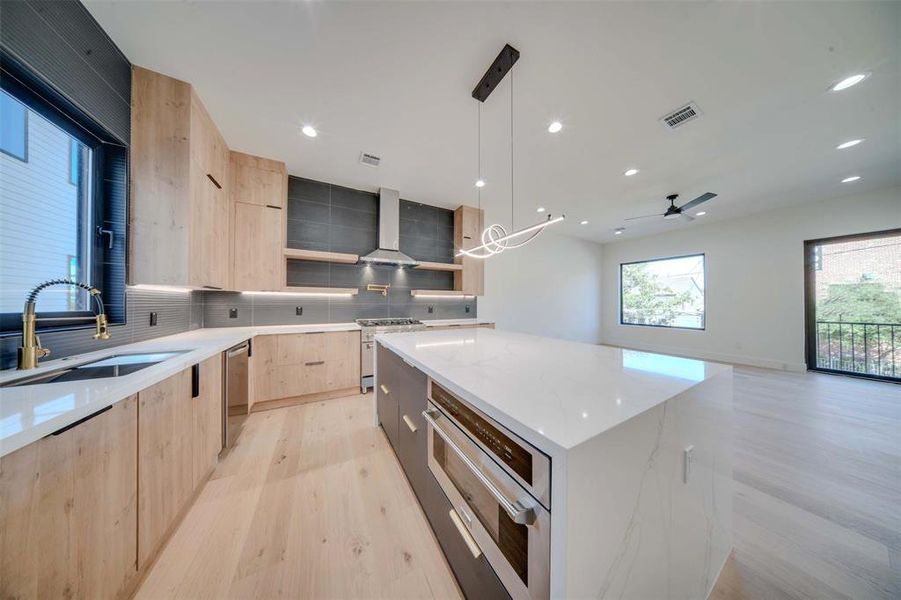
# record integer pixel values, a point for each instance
(389, 233)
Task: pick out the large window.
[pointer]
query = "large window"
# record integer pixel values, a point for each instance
(60, 183)
(666, 292)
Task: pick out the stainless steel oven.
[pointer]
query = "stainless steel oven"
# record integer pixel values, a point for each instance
(482, 468)
(369, 329)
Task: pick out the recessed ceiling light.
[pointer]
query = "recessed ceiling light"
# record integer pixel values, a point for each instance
(701, 214)
(849, 81)
(631, 172)
(540, 209)
(480, 183)
(555, 127)
(848, 144)
(309, 131)
(619, 230)
(850, 179)
(583, 222)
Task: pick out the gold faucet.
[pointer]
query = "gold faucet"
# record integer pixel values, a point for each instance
(30, 352)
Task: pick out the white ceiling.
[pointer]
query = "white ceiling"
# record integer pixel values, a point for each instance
(394, 79)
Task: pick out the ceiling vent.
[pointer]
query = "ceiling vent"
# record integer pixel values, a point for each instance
(681, 116)
(370, 159)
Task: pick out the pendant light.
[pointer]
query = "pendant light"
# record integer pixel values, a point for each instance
(495, 238)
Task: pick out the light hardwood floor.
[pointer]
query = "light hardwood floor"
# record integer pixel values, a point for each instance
(312, 504)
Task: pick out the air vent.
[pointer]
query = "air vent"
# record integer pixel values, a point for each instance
(370, 159)
(681, 116)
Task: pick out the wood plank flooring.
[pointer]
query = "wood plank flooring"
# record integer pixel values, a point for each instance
(312, 504)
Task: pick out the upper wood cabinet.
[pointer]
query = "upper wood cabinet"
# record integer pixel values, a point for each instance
(68, 510)
(180, 206)
(259, 190)
(468, 226)
(260, 181)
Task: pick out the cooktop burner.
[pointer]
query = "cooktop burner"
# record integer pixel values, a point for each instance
(387, 322)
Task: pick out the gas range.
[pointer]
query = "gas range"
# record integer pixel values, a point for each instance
(373, 326)
(370, 327)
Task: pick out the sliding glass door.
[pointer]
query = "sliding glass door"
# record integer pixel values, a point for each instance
(853, 304)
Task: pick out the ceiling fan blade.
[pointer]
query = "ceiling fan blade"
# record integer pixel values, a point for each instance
(644, 217)
(700, 199)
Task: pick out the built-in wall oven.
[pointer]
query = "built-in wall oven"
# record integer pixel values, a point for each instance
(499, 486)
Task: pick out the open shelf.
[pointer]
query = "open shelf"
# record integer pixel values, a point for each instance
(436, 266)
(319, 256)
(322, 291)
(439, 294)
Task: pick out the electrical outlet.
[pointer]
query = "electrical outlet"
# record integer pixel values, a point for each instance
(467, 308)
(233, 313)
(688, 457)
(298, 310)
(431, 309)
(153, 319)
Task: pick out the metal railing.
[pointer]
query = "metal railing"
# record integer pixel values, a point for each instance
(865, 348)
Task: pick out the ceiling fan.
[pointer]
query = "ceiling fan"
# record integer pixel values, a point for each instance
(674, 212)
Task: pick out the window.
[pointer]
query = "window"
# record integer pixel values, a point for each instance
(53, 205)
(13, 127)
(666, 292)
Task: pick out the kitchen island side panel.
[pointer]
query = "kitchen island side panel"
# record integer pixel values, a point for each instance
(634, 528)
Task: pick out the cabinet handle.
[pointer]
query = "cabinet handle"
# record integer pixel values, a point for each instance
(211, 287)
(464, 533)
(409, 423)
(384, 389)
(314, 363)
(195, 380)
(80, 421)
(213, 179)
(273, 206)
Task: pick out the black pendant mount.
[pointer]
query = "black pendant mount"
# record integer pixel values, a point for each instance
(496, 72)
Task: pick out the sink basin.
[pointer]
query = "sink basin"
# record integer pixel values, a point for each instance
(112, 366)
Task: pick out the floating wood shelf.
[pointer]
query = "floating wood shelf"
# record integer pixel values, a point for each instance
(319, 256)
(322, 291)
(439, 294)
(437, 266)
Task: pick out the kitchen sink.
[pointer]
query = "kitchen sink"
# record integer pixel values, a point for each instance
(111, 366)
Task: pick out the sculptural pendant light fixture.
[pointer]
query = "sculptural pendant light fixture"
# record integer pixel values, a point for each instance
(495, 238)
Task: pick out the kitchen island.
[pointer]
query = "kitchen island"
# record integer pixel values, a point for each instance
(550, 468)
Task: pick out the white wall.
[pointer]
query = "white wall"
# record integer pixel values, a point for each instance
(754, 279)
(550, 287)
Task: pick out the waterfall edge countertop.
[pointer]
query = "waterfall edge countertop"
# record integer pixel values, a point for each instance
(555, 394)
(30, 412)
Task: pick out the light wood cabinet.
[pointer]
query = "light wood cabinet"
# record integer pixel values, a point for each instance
(180, 207)
(293, 365)
(165, 460)
(257, 180)
(207, 411)
(68, 510)
(259, 191)
(468, 226)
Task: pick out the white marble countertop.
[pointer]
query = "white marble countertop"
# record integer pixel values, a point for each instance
(451, 322)
(553, 393)
(28, 413)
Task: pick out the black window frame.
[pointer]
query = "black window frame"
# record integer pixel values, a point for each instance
(703, 256)
(109, 185)
(24, 157)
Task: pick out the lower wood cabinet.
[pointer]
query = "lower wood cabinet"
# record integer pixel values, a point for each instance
(165, 459)
(207, 410)
(293, 365)
(68, 510)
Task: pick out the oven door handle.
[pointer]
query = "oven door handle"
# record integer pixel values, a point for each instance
(515, 509)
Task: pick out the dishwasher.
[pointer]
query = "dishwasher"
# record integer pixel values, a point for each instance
(237, 391)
